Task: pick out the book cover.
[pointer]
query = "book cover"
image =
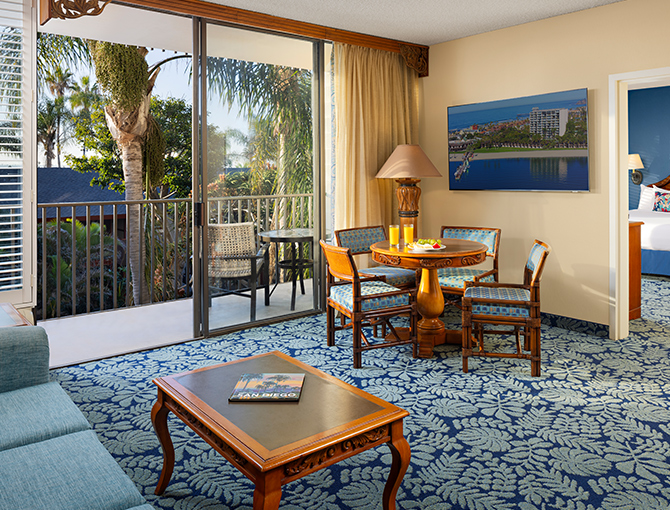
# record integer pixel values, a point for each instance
(268, 388)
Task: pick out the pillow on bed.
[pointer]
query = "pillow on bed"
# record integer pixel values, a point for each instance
(647, 197)
(661, 201)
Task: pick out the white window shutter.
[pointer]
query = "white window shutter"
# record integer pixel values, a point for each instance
(16, 148)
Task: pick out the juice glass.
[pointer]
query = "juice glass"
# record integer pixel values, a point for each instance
(394, 235)
(409, 233)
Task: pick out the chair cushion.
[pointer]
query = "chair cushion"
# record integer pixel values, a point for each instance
(455, 277)
(394, 275)
(359, 240)
(343, 295)
(498, 293)
(37, 413)
(73, 471)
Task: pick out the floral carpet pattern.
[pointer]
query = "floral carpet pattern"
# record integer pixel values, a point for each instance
(593, 432)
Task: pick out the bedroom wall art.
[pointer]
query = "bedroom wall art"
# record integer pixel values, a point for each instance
(532, 143)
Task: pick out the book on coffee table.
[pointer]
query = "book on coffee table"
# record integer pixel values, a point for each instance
(270, 387)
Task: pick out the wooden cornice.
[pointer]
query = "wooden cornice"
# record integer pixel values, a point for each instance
(70, 9)
(415, 55)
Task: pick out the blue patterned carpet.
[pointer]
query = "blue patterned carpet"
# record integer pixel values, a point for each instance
(592, 432)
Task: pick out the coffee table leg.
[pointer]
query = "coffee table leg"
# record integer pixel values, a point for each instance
(268, 491)
(159, 414)
(400, 453)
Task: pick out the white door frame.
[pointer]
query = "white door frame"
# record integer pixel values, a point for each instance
(619, 85)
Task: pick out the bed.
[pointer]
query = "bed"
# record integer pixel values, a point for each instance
(655, 232)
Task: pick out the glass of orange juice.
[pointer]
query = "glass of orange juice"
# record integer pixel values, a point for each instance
(408, 232)
(394, 235)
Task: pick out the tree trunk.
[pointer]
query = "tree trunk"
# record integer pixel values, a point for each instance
(128, 129)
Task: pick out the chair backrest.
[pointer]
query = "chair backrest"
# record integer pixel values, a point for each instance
(535, 263)
(226, 239)
(229, 240)
(359, 239)
(340, 262)
(488, 236)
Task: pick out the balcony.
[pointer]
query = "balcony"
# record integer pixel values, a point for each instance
(85, 290)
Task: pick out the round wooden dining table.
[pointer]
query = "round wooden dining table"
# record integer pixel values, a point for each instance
(429, 298)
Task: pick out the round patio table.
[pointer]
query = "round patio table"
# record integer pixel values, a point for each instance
(296, 264)
(429, 298)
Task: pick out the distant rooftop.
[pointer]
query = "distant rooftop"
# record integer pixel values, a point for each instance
(64, 185)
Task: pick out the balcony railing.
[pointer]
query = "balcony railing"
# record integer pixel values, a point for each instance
(83, 266)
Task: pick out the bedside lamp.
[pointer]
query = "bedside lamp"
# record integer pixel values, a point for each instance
(635, 164)
(408, 164)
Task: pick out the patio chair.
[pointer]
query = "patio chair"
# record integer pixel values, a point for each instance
(359, 240)
(505, 304)
(235, 256)
(366, 301)
(452, 279)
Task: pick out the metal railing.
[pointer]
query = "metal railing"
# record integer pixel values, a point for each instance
(83, 266)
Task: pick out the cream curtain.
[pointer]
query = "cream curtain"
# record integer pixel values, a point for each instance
(376, 109)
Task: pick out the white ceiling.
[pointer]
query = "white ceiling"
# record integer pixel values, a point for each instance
(424, 22)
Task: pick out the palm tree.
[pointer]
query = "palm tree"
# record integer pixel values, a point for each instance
(59, 51)
(278, 102)
(83, 96)
(59, 82)
(51, 113)
(123, 73)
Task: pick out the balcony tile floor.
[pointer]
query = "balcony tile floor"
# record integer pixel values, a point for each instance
(82, 338)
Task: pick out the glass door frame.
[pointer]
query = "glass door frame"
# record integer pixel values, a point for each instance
(201, 323)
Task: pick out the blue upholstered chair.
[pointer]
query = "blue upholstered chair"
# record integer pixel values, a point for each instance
(359, 240)
(365, 301)
(452, 279)
(497, 304)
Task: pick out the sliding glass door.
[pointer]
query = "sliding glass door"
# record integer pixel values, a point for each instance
(260, 97)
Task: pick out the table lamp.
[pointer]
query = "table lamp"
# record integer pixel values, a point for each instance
(408, 164)
(635, 164)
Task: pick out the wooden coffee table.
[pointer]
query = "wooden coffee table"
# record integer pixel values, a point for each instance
(271, 443)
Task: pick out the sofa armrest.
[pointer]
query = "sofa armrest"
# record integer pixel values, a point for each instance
(24, 357)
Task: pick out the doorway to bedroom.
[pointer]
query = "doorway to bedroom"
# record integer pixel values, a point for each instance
(649, 154)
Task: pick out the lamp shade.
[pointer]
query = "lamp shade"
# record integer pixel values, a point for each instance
(634, 162)
(408, 162)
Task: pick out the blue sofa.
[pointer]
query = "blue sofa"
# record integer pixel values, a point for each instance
(50, 458)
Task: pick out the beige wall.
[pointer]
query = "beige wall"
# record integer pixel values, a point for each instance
(573, 51)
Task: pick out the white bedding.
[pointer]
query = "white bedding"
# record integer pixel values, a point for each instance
(655, 233)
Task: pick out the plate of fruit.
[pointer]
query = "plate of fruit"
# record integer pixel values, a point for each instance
(427, 245)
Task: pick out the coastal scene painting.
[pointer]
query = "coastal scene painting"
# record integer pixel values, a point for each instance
(534, 143)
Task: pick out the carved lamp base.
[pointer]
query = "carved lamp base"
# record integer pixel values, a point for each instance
(408, 194)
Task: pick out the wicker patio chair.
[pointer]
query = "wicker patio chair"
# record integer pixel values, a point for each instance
(234, 256)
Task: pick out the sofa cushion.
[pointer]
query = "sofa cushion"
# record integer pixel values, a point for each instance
(25, 357)
(37, 413)
(71, 472)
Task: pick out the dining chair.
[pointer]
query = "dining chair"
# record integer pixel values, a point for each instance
(366, 301)
(359, 240)
(234, 256)
(452, 279)
(506, 304)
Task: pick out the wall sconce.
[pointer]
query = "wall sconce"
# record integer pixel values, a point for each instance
(635, 164)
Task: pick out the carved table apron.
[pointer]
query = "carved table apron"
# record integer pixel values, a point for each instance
(274, 443)
(429, 298)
